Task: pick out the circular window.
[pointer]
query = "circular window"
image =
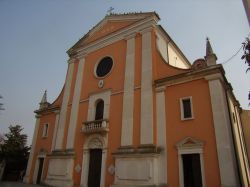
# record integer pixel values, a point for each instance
(104, 67)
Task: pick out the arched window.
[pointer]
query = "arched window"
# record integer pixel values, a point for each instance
(99, 109)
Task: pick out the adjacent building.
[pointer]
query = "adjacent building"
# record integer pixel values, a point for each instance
(135, 112)
(245, 116)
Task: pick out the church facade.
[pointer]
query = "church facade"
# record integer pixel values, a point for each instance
(134, 112)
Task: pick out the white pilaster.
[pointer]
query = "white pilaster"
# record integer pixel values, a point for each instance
(128, 96)
(55, 130)
(225, 150)
(85, 168)
(64, 109)
(31, 156)
(161, 133)
(146, 90)
(75, 105)
(103, 169)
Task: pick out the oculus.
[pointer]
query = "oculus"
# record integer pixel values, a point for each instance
(104, 67)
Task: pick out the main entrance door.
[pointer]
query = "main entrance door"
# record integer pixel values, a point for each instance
(192, 170)
(95, 165)
(40, 170)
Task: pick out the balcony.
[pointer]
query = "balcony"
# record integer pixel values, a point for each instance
(96, 126)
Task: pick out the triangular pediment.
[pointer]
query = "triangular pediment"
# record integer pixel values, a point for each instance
(111, 24)
(189, 142)
(106, 29)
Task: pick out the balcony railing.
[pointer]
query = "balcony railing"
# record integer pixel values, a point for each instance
(95, 126)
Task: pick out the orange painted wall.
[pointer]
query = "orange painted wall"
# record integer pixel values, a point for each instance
(201, 127)
(115, 79)
(107, 29)
(44, 143)
(138, 59)
(79, 140)
(114, 134)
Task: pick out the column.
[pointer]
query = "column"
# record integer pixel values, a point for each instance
(64, 108)
(128, 96)
(225, 150)
(146, 89)
(75, 105)
(161, 133)
(57, 112)
(31, 156)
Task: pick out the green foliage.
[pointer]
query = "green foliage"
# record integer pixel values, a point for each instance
(246, 55)
(14, 150)
(15, 143)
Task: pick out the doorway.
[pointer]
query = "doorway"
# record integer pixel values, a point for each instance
(40, 170)
(192, 170)
(95, 165)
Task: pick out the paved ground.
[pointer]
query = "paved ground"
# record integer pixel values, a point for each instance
(17, 184)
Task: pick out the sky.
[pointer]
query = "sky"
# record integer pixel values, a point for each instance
(35, 35)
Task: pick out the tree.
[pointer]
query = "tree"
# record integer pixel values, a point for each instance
(1, 104)
(246, 57)
(15, 152)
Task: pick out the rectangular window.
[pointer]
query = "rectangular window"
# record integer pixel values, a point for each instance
(45, 130)
(186, 108)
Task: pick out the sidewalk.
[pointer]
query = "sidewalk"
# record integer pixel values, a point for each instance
(17, 184)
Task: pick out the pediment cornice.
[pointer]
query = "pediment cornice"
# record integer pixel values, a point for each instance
(142, 22)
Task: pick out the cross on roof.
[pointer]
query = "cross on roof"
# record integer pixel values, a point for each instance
(110, 10)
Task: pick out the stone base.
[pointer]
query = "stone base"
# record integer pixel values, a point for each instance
(161, 185)
(60, 170)
(137, 167)
(59, 183)
(26, 179)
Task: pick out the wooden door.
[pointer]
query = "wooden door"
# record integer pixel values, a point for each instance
(40, 170)
(95, 165)
(192, 170)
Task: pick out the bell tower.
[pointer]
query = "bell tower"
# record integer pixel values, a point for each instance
(210, 55)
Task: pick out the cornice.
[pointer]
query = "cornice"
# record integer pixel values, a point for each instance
(130, 36)
(55, 109)
(190, 76)
(160, 89)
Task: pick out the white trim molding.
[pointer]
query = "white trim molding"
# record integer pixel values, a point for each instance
(182, 107)
(105, 96)
(75, 105)
(161, 133)
(45, 130)
(128, 96)
(31, 156)
(64, 109)
(41, 154)
(146, 89)
(223, 134)
(190, 146)
(57, 113)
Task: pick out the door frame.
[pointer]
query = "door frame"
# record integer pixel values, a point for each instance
(190, 146)
(35, 175)
(95, 141)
